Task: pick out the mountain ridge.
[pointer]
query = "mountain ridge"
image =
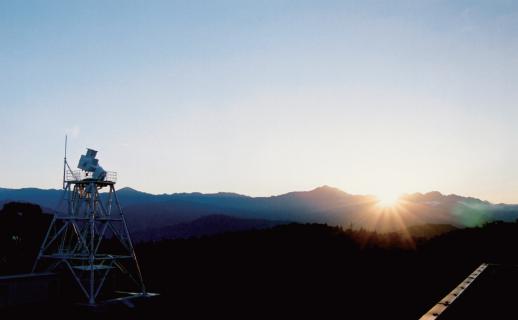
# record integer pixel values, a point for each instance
(322, 188)
(324, 204)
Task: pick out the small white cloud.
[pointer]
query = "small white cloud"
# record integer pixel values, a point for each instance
(74, 131)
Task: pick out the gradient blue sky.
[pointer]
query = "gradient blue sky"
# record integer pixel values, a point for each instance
(264, 97)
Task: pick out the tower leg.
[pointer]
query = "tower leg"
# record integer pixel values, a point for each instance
(134, 256)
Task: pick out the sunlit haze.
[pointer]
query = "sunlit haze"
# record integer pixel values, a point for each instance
(264, 97)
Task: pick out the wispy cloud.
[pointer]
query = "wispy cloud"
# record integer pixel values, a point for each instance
(73, 131)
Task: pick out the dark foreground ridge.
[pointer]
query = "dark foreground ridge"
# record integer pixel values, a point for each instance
(302, 270)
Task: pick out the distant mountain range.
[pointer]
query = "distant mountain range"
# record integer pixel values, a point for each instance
(153, 216)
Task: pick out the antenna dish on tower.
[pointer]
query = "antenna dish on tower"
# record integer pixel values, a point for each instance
(89, 163)
(90, 170)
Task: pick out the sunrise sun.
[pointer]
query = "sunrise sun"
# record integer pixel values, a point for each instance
(388, 200)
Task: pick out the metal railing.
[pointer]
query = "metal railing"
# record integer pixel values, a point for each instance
(80, 175)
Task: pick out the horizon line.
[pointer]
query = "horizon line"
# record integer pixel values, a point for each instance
(276, 195)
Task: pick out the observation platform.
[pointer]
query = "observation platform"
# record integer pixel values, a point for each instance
(80, 176)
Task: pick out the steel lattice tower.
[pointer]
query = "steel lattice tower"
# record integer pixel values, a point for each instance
(90, 238)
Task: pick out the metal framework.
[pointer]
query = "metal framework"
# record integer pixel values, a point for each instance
(90, 236)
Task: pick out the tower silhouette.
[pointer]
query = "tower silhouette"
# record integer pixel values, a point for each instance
(88, 235)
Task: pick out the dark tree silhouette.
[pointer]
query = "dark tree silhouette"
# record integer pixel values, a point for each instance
(22, 228)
